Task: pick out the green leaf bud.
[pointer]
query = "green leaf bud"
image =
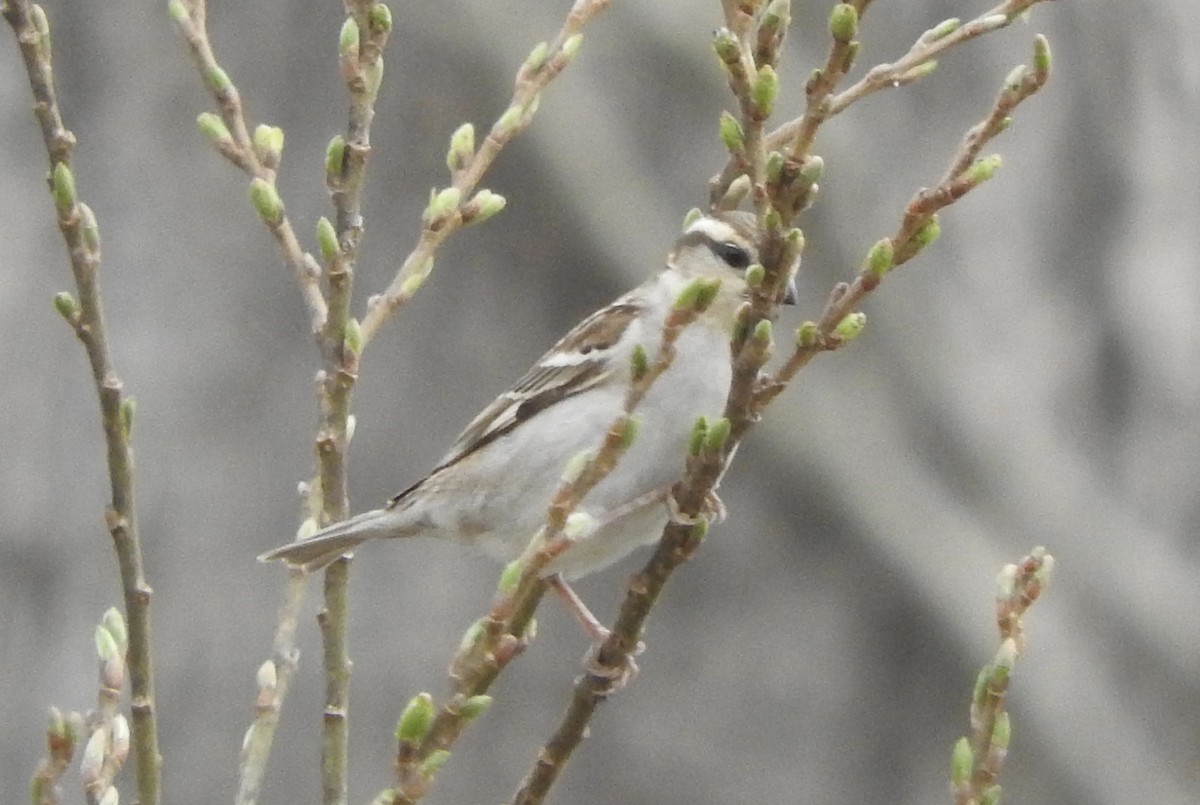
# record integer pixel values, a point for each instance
(777, 16)
(576, 465)
(482, 206)
(509, 120)
(851, 326)
(372, 75)
(416, 719)
(765, 89)
(178, 12)
(731, 133)
(962, 760)
(385, 797)
(755, 275)
(727, 47)
(1006, 657)
(639, 363)
(413, 283)
(462, 147)
(983, 169)
(1002, 730)
(699, 529)
(578, 525)
(67, 306)
(1015, 76)
(693, 215)
(218, 79)
(762, 332)
(432, 764)
(738, 189)
(530, 109)
(212, 127)
(443, 203)
(91, 230)
(380, 17)
(476, 706)
(881, 258)
(537, 57)
(327, 240)
(62, 183)
(268, 144)
(943, 29)
(352, 339)
(348, 38)
(629, 430)
(993, 22)
(806, 335)
(510, 577)
(571, 46)
(774, 166)
(698, 295)
(335, 158)
(717, 435)
(698, 437)
(979, 691)
(472, 636)
(812, 169)
(114, 622)
(106, 645)
(929, 232)
(922, 70)
(266, 201)
(843, 23)
(128, 409)
(991, 795)
(61, 735)
(1041, 56)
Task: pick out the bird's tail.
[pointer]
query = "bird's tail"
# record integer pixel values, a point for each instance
(334, 542)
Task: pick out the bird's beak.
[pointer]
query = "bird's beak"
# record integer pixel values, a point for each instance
(789, 298)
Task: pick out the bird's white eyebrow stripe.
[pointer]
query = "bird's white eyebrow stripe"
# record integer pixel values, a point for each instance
(719, 231)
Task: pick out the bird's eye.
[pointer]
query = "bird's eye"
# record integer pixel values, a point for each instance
(733, 255)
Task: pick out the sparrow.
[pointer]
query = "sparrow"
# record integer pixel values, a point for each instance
(493, 488)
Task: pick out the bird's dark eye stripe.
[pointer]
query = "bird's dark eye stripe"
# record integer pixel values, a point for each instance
(732, 254)
(735, 256)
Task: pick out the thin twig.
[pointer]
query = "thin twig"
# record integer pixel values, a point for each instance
(544, 65)
(233, 141)
(85, 315)
(362, 39)
(274, 679)
(977, 760)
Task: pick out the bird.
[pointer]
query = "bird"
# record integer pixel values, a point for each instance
(494, 486)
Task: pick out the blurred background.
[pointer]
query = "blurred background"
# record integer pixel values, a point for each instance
(1032, 379)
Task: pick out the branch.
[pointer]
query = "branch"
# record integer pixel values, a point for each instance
(977, 761)
(85, 314)
(257, 156)
(361, 43)
(447, 211)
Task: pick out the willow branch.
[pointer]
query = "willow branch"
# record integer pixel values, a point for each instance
(254, 156)
(85, 314)
(455, 207)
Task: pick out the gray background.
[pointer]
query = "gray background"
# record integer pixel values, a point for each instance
(1033, 379)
